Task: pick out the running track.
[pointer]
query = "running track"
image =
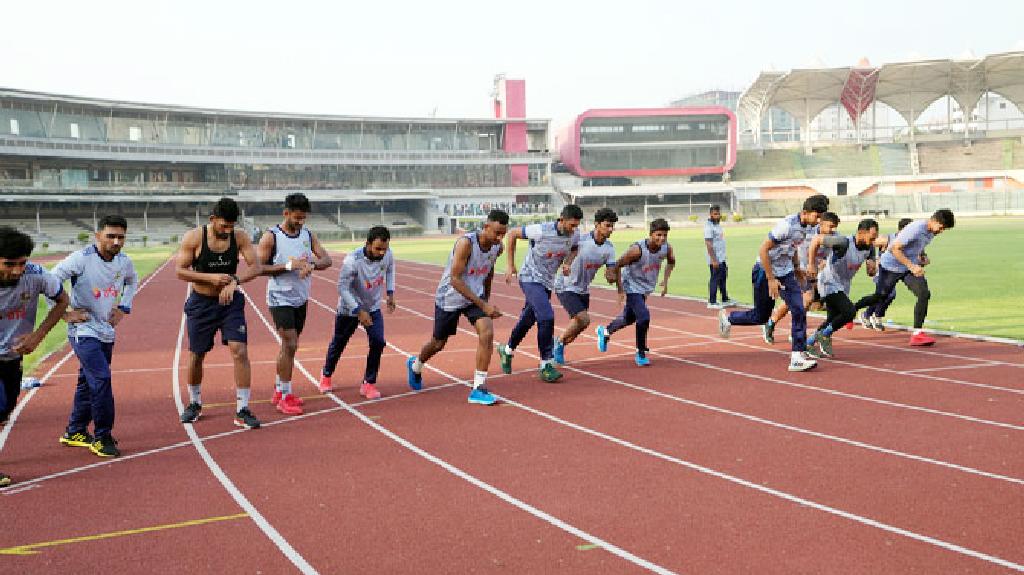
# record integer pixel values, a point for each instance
(714, 459)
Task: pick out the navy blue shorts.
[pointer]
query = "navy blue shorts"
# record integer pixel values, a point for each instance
(205, 316)
(574, 302)
(446, 323)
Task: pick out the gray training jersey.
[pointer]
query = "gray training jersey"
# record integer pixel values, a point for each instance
(589, 259)
(547, 250)
(837, 275)
(96, 285)
(362, 281)
(914, 238)
(18, 304)
(478, 268)
(789, 235)
(287, 288)
(642, 275)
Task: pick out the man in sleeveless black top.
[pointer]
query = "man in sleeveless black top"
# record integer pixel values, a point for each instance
(208, 260)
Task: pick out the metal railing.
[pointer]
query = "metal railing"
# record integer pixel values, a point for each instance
(209, 154)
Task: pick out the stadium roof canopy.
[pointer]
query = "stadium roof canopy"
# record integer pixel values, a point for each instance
(908, 87)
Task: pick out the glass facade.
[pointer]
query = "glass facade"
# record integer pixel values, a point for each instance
(654, 142)
(35, 119)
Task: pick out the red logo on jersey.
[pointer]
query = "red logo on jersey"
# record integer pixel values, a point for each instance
(593, 266)
(555, 255)
(98, 293)
(651, 267)
(480, 271)
(370, 284)
(15, 314)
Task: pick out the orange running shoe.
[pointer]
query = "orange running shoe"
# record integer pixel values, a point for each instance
(369, 391)
(325, 383)
(289, 405)
(921, 339)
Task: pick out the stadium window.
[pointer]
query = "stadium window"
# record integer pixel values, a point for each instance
(291, 140)
(15, 129)
(134, 133)
(73, 130)
(1002, 105)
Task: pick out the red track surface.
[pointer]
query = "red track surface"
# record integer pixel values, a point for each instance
(714, 459)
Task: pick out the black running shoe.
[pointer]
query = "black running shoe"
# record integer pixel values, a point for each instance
(245, 418)
(105, 446)
(192, 413)
(77, 439)
(5, 480)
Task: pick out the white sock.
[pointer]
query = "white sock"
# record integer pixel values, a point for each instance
(194, 395)
(277, 382)
(285, 387)
(417, 366)
(241, 398)
(546, 362)
(796, 356)
(917, 331)
(479, 378)
(508, 350)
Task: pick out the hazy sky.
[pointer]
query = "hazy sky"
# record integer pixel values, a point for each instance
(408, 58)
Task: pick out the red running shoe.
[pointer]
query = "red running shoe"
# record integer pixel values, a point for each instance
(369, 391)
(921, 339)
(277, 398)
(849, 325)
(325, 383)
(289, 405)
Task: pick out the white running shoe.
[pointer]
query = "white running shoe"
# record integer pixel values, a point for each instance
(723, 323)
(803, 363)
(715, 306)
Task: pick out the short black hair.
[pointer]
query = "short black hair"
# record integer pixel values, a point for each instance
(904, 222)
(226, 209)
(944, 217)
(867, 224)
(297, 202)
(659, 225)
(113, 221)
(498, 217)
(714, 208)
(831, 217)
(14, 244)
(378, 233)
(816, 203)
(605, 215)
(571, 212)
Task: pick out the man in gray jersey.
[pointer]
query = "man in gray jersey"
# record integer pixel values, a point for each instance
(552, 244)
(464, 290)
(21, 284)
(638, 269)
(843, 257)
(367, 274)
(289, 253)
(103, 285)
(573, 289)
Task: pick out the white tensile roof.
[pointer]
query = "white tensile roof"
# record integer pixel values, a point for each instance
(908, 87)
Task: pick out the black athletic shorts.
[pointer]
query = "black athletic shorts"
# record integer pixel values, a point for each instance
(446, 323)
(288, 317)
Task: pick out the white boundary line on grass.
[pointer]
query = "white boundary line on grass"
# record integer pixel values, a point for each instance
(282, 544)
(718, 474)
(522, 505)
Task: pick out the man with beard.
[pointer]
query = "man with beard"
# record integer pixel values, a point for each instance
(208, 259)
(103, 285)
(21, 284)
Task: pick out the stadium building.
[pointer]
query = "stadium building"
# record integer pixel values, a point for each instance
(65, 160)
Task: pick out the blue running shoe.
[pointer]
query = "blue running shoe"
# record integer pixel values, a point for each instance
(559, 352)
(415, 379)
(641, 360)
(602, 339)
(481, 396)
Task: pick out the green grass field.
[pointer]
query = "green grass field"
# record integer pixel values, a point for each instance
(145, 259)
(975, 276)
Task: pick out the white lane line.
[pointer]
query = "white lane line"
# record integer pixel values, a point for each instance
(518, 503)
(6, 431)
(730, 478)
(943, 368)
(813, 388)
(286, 549)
